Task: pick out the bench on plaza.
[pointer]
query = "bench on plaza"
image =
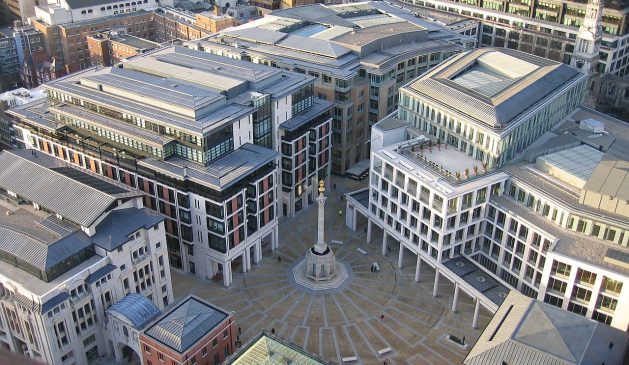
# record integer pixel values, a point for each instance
(375, 267)
(349, 359)
(361, 251)
(385, 350)
(337, 242)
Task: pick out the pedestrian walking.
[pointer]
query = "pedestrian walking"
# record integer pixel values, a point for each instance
(340, 213)
(239, 330)
(382, 317)
(279, 259)
(334, 186)
(273, 330)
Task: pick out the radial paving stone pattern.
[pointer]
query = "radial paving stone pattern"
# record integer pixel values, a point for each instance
(346, 322)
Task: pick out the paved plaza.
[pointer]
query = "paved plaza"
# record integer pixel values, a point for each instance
(375, 311)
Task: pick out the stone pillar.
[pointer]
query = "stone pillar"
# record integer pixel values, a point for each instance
(354, 219)
(257, 252)
(418, 267)
(275, 239)
(384, 242)
(117, 353)
(455, 298)
(244, 261)
(321, 220)
(400, 256)
(368, 230)
(435, 289)
(476, 311)
(249, 259)
(227, 273)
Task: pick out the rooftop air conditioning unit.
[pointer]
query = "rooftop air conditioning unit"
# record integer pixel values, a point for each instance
(592, 125)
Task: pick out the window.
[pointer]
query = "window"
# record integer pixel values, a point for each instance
(204, 352)
(612, 286)
(160, 356)
(560, 269)
(214, 342)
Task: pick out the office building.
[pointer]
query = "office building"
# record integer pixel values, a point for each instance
(67, 26)
(529, 198)
(527, 331)
(109, 48)
(12, 10)
(546, 29)
(491, 104)
(205, 147)
(11, 99)
(360, 54)
(191, 332)
(72, 245)
(21, 47)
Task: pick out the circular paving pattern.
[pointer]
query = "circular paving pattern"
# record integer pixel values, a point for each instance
(368, 312)
(296, 275)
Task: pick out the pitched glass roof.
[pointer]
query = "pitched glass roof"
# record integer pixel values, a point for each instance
(269, 350)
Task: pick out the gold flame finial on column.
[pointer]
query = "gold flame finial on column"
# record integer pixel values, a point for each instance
(321, 187)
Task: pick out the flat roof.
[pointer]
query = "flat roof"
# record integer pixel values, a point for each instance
(478, 279)
(135, 42)
(390, 123)
(579, 161)
(407, 156)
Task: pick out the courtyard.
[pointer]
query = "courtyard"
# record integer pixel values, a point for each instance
(374, 311)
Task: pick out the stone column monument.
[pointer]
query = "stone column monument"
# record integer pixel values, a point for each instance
(320, 260)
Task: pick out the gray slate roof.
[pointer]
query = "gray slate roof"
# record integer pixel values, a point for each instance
(54, 301)
(114, 231)
(55, 185)
(221, 173)
(98, 274)
(186, 324)
(146, 85)
(527, 331)
(504, 107)
(40, 254)
(135, 308)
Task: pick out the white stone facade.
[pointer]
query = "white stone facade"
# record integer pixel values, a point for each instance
(73, 329)
(511, 227)
(62, 12)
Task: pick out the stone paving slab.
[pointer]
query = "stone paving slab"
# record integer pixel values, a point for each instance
(348, 322)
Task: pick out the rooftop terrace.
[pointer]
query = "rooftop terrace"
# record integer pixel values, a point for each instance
(452, 164)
